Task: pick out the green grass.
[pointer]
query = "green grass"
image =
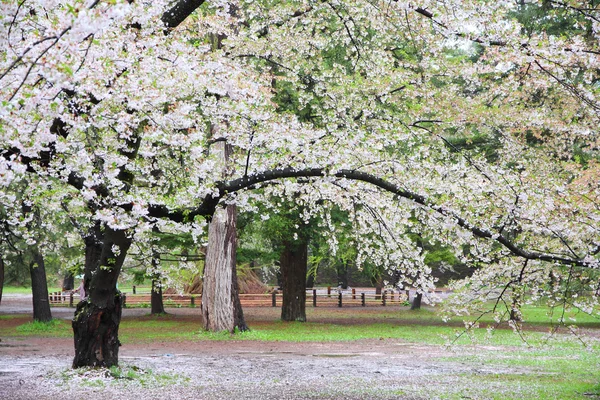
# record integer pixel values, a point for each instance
(54, 328)
(10, 316)
(25, 289)
(157, 328)
(561, 371)
(544, 316)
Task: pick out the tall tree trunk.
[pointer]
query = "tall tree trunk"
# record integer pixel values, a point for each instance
(1, 276)
(39, 288)
(378, 289)
(97, 318)
(68, 281)
(221, 308)
(156, 298)
(293, 266)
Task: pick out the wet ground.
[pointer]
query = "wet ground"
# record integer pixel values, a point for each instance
(39, 368)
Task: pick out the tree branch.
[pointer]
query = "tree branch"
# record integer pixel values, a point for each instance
(179, 12)
(209, 204)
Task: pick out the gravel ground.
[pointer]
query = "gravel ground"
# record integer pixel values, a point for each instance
(39, 368)
(239, 370)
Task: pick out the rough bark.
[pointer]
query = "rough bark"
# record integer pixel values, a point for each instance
(293, 264)
(39, 288)
(68, 281)
(97, 318)
(221, 308)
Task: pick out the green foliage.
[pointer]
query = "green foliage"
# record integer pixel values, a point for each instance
(476, 144)
(541, 16)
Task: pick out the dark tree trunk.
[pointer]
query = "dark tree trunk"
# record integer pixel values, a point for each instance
(1, 276)
(156, 298)
(293, 266)
(221, 308)
(310, 281)
(342, 275)
(97, 318)
(378, 288)
(416, 303)
(68, 281)
(39, 288)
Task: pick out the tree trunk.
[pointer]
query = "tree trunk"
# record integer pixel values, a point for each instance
(221, 308)
(310, 281)
(156, 298)
(1, 276)
(293, 266)
(342, 274)
(416, 303)
(378, 288)
(68, 281)
(97, 318)
(39, 288)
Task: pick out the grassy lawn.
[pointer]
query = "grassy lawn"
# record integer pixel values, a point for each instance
(25, 289)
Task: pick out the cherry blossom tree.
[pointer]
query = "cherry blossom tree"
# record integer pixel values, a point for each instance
(110, 105)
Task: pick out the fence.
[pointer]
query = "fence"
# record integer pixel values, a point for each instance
(320, 297)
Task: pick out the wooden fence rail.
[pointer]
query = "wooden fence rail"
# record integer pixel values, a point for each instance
(315, 297)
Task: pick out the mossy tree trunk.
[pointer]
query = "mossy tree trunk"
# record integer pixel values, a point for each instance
(97, 318)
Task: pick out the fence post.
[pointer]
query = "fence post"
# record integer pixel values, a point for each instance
(340, 299)
(353, 294)
(192, 301)
(274, 298)
(133, 287)
(71, 299)
(362, 299)
(328, 291)
(314, 297)
(383, 298)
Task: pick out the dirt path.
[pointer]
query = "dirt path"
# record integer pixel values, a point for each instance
(38, 368)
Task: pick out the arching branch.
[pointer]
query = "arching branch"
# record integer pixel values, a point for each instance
(209, 204)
